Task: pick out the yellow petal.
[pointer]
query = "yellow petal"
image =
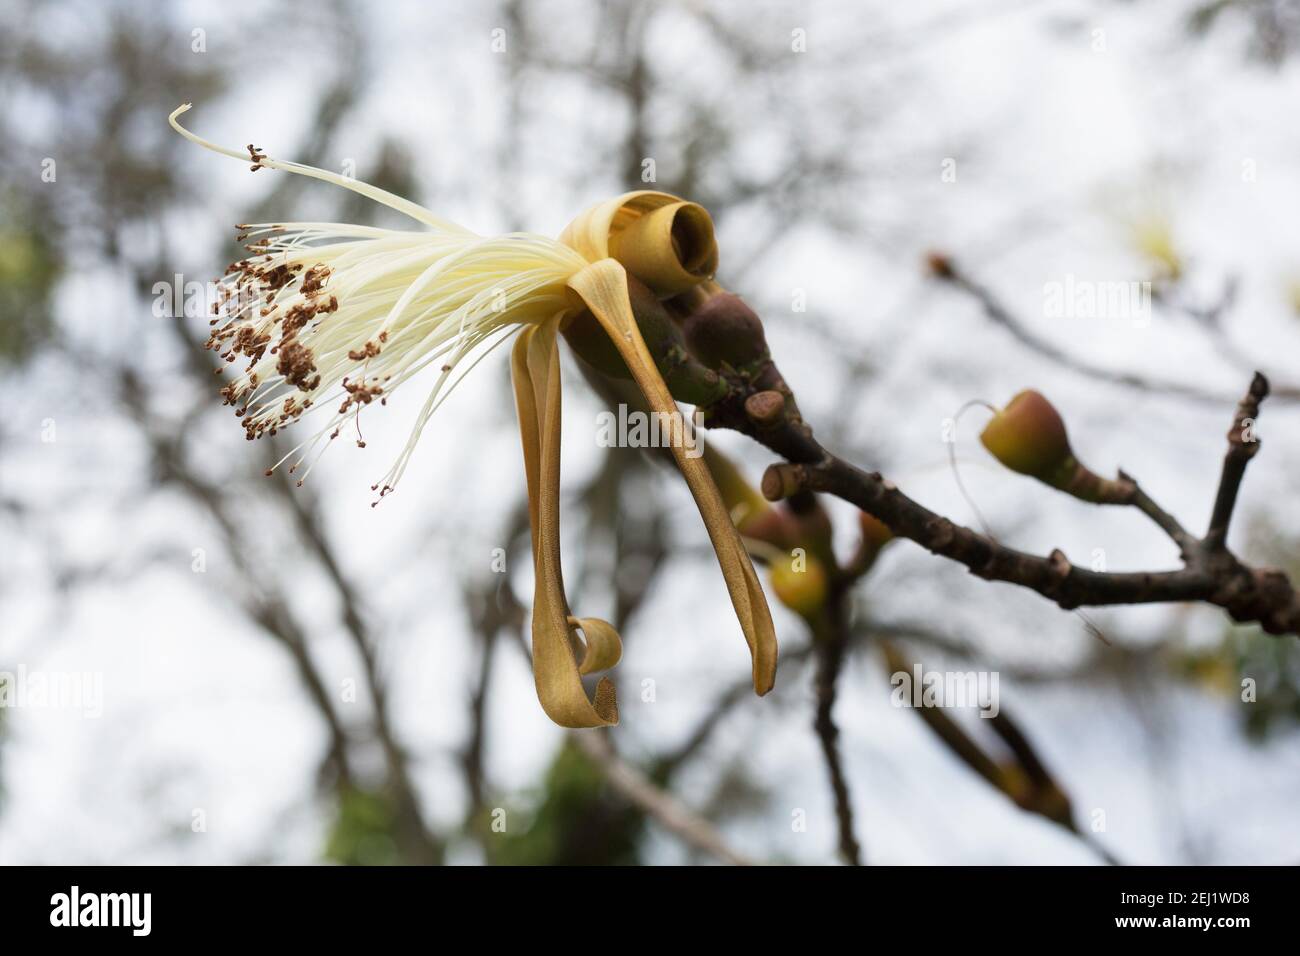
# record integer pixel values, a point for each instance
(535, 371)
(603, 288)
(603, 648)
(664, 241)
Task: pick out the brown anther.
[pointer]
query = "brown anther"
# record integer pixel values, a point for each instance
(314, 279)
(297, 318)
(277, 278)
(296, 363)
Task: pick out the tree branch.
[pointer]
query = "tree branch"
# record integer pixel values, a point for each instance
(1210, 573)
(657, 803)
(942, 267)
(1026, 781)
(830, 649)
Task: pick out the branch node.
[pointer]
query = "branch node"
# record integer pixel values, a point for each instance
(765, 408)
(1059, 567)
(782, 480)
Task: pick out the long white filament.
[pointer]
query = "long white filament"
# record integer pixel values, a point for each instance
(414, 210)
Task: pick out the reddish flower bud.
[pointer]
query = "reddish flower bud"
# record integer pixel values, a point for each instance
(724, 329)
(1029, 436)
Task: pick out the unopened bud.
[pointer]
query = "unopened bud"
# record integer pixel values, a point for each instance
(776, 526)
(800, 584)
(723, 329)
(687, 379)
(1029, 437)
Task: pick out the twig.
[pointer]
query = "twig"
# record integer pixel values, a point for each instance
(1242, 446)
(1167, 522)
(656, 803)
(739, 692)
(829, 651)
(946, 270)
(1028, 784)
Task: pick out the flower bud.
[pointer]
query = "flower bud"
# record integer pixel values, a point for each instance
(775, 526)
(687, 379)
(800, 583)
(1028, 436)
(723, 329)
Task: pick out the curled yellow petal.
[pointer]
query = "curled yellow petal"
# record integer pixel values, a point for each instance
(603, 287)
(602, 647)
(664, 241)
(535, 371)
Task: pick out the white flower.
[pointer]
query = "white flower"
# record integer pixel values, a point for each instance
(324, 313)
(335, 317)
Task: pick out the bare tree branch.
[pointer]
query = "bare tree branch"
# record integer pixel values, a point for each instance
(662, 806)
(943, 267)
(830, 652)
(1210, 573)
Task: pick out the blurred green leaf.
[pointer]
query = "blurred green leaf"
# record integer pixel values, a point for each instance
(28, 271)
(362, 834)
(578, 822)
